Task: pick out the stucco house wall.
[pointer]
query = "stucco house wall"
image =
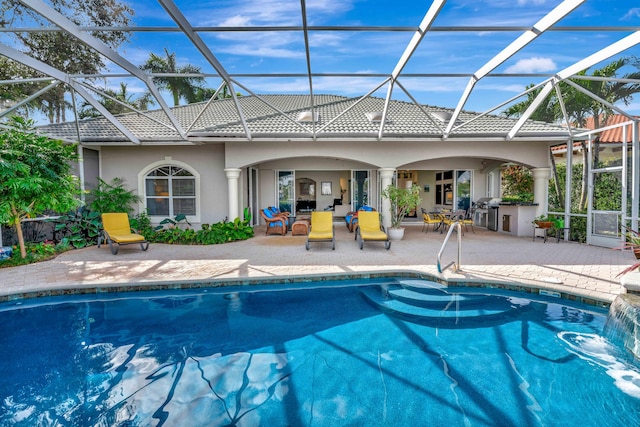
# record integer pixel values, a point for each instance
(343, 140)
(396, 154)
(207, 161)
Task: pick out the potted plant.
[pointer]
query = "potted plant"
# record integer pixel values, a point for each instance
(403, 200)
(632, 241)
(543, 221)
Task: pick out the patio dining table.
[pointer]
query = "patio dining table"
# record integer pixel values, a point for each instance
(447, 214)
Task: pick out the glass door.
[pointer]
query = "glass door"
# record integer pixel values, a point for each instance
(286, 191)
(359, 189)
(463, 190)
(253, 195)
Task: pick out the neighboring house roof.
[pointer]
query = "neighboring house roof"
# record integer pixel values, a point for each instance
(271, 117)
(607, 136)
(614, 135)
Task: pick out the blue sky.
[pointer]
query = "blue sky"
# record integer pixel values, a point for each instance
(360, 53)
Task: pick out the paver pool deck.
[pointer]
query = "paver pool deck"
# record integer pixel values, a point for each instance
(574, 269)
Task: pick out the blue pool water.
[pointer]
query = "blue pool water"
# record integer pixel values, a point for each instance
(397, 352)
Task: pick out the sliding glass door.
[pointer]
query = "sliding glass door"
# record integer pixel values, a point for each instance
(286, 195)
(359, 189)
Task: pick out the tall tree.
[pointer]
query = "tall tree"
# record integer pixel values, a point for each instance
(61, 50)
(580, 106)
(35, 176)
(186, 88)
(14, 72)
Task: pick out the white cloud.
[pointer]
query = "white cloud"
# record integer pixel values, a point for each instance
(273, 12)
(248, 13)
(236, 21)
(505, 88)
(262, 51)
(347, 86)
(531, 2)
(326, 39)
(535, 64)
(632, 13)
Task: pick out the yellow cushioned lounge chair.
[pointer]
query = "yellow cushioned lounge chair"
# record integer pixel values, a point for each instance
(370, 229)
(117, 231)
(322, 229)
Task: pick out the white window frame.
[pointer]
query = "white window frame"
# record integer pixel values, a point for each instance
(168, 161)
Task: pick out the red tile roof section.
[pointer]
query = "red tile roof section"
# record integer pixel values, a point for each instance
(612, 135)
(606, 137)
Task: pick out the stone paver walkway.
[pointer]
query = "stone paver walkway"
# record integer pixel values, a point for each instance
(587, 272)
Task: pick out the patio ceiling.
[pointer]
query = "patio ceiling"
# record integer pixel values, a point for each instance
(392, 72)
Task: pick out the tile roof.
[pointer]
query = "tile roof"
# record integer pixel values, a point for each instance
(275, 117)
(614, 135)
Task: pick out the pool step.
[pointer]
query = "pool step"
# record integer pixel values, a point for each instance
(436, 307)
(438, 300)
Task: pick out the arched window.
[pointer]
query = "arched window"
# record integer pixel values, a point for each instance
(170, 191)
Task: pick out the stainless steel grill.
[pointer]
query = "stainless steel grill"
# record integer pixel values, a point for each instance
(487, 212)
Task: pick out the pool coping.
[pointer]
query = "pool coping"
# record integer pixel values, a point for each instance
(88, 289)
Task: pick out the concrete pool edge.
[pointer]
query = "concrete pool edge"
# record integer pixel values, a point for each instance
(560, 292)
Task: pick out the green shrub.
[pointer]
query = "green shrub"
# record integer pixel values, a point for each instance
(141, 223)
(36, 252)
(517, 183)
(178, 231)
(223, 232)
(578, 231)
(80, 228)
(112, 197)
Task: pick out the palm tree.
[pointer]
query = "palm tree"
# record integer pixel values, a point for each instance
(580, 107)
(140, 103)
(180, 87)
(205, 93)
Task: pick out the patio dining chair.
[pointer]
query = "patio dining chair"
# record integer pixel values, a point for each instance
(117, 232)
(351, 218)
(453, 217)
(467, 221)
(430, 219)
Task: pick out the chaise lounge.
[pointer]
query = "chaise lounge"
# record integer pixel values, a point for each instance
(322, 229)
(370, 229)
(117, 231)
(351, 218)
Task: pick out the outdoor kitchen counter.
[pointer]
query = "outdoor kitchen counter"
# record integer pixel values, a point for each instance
(516, 219)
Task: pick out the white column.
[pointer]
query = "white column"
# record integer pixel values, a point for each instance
(233, 175)
(386, 179)
(541, 178)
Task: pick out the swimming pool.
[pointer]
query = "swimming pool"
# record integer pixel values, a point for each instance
(362, 353)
